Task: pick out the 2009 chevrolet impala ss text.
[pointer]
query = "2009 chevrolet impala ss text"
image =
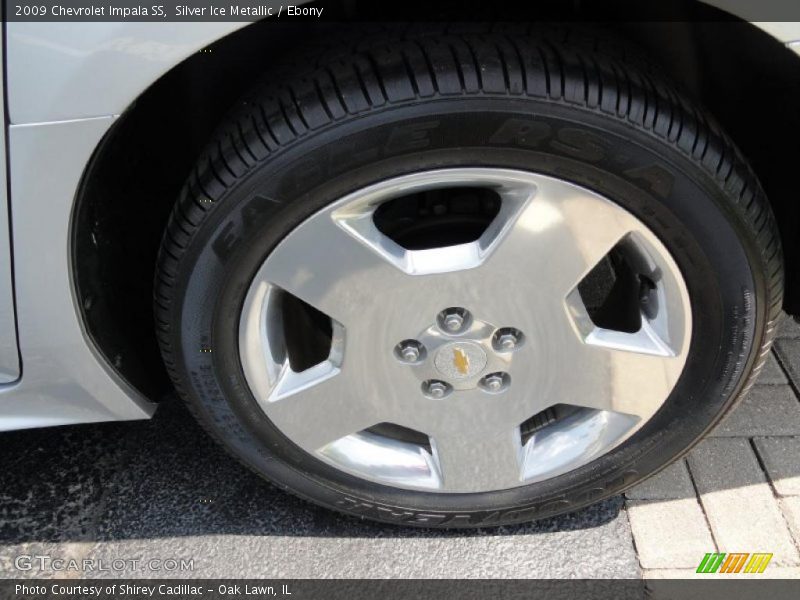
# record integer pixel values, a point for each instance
(121, 12)
(452, 275)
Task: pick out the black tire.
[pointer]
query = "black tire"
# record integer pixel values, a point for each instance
(352, 113)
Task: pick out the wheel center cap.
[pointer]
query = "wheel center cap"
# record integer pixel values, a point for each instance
(460, 360)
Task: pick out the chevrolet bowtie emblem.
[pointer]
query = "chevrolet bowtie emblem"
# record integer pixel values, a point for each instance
(460, 361)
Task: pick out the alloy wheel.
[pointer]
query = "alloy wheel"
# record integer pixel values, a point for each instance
(526, 344)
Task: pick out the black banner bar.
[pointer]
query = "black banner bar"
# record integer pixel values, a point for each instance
(397, 10)
(712, 588)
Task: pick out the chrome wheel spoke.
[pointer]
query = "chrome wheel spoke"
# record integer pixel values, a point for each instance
(478, 461)
(624, 381)
(336, 272)
(562, 232)
(315, 411)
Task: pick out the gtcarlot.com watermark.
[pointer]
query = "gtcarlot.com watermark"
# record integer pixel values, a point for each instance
(45, 562)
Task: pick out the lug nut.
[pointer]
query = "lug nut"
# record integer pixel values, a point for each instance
(507, 339)
(410, 351)
(454, 320)
(436, 389)
(495, 383)
(410, 354)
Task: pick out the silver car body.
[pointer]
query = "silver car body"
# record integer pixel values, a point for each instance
(67, 83)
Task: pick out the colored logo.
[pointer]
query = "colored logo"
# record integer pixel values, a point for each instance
(742, 562)
(460, 361)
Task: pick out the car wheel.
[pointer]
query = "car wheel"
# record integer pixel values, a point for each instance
(466, 280)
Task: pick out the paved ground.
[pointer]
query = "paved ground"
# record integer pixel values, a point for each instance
(739, 490)
(162, 490)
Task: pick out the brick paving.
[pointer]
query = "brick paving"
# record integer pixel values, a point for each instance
(737, 491)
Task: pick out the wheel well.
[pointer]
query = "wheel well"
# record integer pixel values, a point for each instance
(134, 177)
